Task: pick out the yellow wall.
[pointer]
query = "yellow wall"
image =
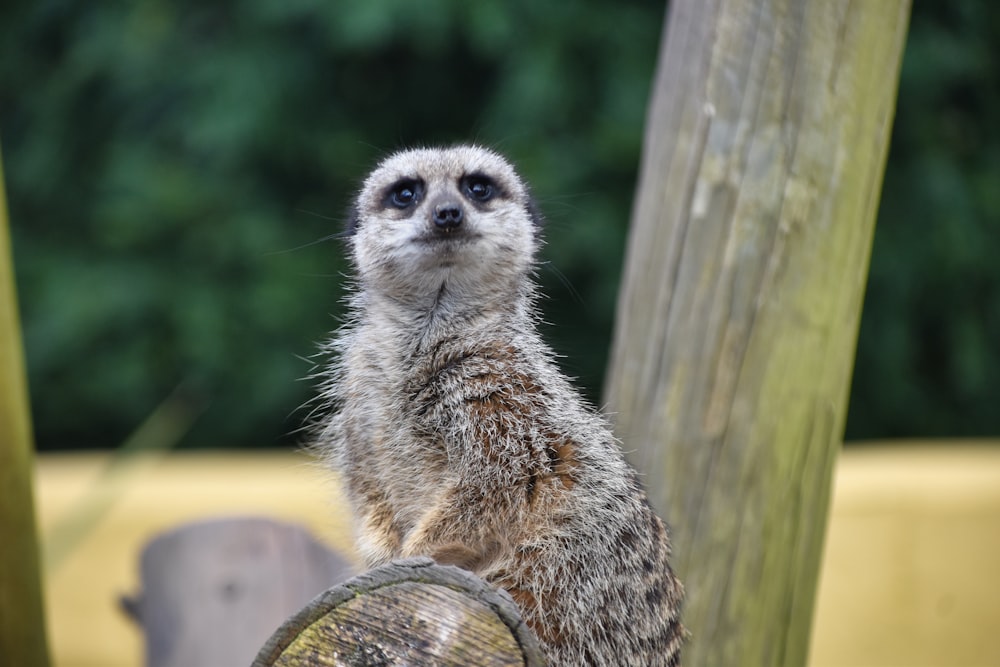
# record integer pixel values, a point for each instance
(911, 573)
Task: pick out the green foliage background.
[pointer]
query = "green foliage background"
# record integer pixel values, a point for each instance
(174, 168)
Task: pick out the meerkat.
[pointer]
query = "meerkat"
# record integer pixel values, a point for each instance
(455, 433)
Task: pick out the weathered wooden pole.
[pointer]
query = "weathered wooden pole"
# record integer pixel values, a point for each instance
(745, 271)
(22, 621)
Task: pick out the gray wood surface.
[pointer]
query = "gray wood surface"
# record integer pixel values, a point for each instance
(213, 592)
(745, 272)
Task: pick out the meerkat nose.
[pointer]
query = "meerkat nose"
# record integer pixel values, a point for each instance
(447, 216)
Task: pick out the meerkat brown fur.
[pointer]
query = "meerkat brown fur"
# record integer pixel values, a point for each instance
(458, 438)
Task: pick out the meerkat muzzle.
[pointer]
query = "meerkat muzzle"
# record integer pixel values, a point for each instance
(447, 216)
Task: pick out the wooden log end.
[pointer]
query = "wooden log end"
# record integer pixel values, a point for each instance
(410, 611)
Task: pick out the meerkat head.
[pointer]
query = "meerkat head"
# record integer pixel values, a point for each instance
(438, 223)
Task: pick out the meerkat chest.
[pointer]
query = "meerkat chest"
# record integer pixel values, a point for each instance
(384, 439)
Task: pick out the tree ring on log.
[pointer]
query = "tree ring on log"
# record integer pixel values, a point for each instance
(411, 612)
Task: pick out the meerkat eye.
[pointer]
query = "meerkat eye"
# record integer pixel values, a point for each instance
(405, 193)
(478, 188)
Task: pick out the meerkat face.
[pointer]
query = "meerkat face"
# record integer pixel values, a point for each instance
(432, 221)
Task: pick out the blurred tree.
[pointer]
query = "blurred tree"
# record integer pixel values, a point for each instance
(170, 162)
(928, 362)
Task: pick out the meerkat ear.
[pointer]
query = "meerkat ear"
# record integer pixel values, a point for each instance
(534, 212)
(353, 219)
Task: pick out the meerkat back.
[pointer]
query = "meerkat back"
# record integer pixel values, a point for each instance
(457, 436)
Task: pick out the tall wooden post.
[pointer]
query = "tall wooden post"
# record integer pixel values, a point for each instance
(734, 344)
(22, 622)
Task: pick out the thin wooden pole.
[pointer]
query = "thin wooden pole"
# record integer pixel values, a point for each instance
(734, 343)
(22, 619)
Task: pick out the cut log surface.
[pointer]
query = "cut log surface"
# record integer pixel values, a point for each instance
(410, 612)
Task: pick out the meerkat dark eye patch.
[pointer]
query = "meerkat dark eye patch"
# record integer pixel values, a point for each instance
(479, 188)
(404, 193)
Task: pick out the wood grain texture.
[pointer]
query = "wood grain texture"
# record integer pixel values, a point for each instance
(409, 612)
(737, 321)
(22, 621)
